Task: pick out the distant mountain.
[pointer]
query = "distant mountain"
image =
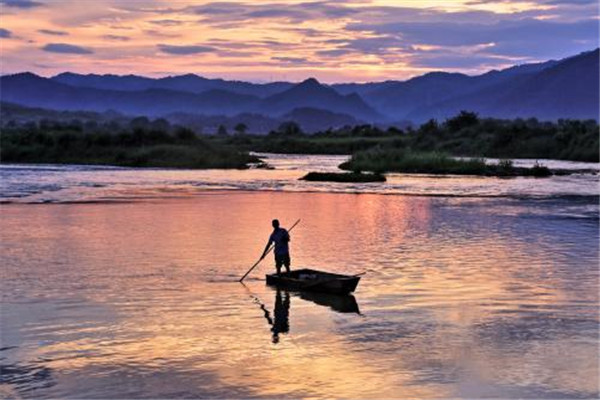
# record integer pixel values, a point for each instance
(34, 91)
(21, 114)
(563, 89)
(399, 99)
(314, 119)
(550, 90)
(312, 94)
(184, 83)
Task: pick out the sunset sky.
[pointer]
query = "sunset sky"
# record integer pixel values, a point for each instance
(334, 41)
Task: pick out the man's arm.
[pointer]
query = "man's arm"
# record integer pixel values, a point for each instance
(266, 248)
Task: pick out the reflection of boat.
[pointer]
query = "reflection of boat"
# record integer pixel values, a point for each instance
(337, 302)
(314, 281)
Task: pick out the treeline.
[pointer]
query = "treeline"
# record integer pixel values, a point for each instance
(141, 143)
(463, 135)
(160, 143)
(468, 135)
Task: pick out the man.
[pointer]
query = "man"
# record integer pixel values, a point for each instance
(281, 238)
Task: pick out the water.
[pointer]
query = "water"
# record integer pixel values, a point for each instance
(78, 183)
(126, 288)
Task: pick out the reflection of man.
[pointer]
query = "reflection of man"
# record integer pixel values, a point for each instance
(281, 238)
(281, 324)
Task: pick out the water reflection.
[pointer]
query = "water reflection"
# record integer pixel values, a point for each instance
(281, 323)
(279, 319)
(464, 298)
(22, 376)
(340, 303)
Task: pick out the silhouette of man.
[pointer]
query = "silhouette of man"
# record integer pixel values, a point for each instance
(281, 323)
(281, 238)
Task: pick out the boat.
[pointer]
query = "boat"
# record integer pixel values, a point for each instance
(314, 281)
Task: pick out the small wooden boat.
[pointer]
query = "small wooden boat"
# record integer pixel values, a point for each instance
(314, 281)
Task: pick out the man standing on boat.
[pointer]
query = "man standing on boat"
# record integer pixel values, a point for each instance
(281, 238)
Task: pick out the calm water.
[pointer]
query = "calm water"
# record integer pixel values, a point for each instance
(127, 287)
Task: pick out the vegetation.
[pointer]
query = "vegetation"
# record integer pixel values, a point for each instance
(465, 135)
(342, 177)
(468, 135)
(381, 160)
(29, 135)
(140, 145)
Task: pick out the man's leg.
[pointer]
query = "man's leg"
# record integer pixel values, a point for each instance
(278, 263)
(287, 262)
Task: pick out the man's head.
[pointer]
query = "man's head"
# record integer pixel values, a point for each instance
(275, 223)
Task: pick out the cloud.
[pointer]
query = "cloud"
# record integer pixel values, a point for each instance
(53, 32)
(21, 3)
(66, 48)
(5, 33)
(237, 54)
(451, 60)
(185, 50)
(218, 12)
(334, 52)
(166, 22)
(116, 37)
(159, 34)
(284, 12)
(294, 60)
(515, 37)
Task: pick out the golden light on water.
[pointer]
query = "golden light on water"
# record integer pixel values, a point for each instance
(451, 307)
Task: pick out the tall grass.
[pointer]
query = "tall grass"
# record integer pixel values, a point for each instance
(402, 160)
(380, 160)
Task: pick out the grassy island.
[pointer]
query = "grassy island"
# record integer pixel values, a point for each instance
(342, 177)
(381, 160)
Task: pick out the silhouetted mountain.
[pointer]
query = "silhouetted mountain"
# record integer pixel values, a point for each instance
(399, 99)
(34, 91)
(564, 89)
(554, 89)
(362, 88)
(184, 83)
(311, 94)
(313, 119)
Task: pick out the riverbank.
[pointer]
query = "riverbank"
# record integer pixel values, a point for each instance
(144, 143)
(136, 148)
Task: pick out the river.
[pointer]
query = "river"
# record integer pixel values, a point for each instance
(122, 283)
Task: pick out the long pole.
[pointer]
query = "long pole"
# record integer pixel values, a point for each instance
(268, 251)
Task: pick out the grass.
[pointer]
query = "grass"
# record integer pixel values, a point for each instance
(381, 160)
(342, 177)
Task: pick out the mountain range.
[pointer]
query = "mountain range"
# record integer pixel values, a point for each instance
(567, 88)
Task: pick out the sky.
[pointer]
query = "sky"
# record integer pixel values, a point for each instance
(263, 41)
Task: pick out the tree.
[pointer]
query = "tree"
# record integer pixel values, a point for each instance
(161, 124)
(462, 120)
(429, 127)
(185, 134)
(139, 123)
(289, 128)
(240, 128)
(222, 131)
